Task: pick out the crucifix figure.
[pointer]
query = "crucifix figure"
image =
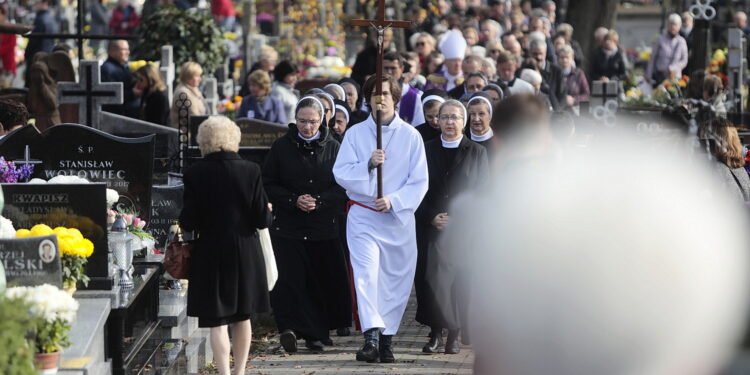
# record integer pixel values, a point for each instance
(90, 93)
(383, 260)
(380, 25)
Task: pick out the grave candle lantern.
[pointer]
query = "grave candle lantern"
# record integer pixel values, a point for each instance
(119, 244)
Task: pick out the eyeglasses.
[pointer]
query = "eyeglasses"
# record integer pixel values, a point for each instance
(420, 44)
(308, 122)
(450, 118)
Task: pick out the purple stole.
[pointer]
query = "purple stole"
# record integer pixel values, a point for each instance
(407, 104)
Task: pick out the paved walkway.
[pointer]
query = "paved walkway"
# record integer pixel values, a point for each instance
(339, 359)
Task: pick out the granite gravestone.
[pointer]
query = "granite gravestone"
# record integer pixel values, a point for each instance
(124, 164)
(31, 261)
(90, 93)
(166, 205)
(80, 206)
(255, 133)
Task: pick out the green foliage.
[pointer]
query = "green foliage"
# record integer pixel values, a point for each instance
(194, 37)
(52, 336)
(74, 270)
(16, 355)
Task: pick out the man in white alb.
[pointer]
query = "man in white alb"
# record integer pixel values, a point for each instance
(381, 231)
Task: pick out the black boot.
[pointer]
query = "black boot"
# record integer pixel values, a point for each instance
(369, 352)
(314, 345)
(386, 351)
(451, 344)
(436, 341)
(288, 341)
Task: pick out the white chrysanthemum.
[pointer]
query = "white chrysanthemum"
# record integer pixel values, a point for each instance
(112, 197)
(37, 181)
(62, 179)
(6, 228)
(47, 302)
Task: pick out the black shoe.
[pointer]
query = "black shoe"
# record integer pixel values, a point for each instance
(434, 345)
(368, 353)
(451, 344)
(327, 342)
(343, 331)
(315, 345)
(288, 341)
(386, 350)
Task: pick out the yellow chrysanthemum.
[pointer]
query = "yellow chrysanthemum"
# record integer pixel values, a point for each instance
(23, 233)
(41, 230)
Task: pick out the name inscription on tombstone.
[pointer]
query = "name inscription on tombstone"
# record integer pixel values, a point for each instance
(124, 164)
(166, 205)
(31, 261)
(80, 206)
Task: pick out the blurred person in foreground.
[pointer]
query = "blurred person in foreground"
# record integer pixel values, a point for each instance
(729, 154)
(596, 267)
(225, 204)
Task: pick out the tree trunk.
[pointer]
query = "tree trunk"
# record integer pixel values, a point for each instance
(586, 16)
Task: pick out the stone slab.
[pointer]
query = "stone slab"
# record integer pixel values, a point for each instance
(86, 354)
(172, 307)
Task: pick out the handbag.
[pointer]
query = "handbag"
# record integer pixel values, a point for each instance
(272, 273)
(177, 257)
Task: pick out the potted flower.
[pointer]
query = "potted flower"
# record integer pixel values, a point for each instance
(135, 225)
(53, 311)
(9, 173)
(74, 252)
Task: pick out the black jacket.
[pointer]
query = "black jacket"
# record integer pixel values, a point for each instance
(612, 67)
(225, 203)
(457, 92)
(468, 169)
(294, 167)
(427, 132)
(155, 107)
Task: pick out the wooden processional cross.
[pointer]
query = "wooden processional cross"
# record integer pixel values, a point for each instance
(380, 24)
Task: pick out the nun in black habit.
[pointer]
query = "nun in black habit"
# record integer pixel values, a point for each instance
(456, 164)
(312, 293)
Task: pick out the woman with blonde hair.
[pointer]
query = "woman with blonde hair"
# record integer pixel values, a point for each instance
(190, 80)
(150, 88)
(259, 105)
(225, 204)
(727, 148)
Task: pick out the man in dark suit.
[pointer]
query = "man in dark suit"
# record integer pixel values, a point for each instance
(551, 73)
(115, 69)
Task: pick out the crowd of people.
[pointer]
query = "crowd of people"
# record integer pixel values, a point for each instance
(452, 106)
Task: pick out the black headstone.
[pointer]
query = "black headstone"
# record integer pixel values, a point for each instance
(255, 133)
(81, 206)
(31, 261)
(166, 204)
(124, 164)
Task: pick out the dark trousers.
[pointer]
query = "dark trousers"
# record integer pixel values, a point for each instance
(312, 293)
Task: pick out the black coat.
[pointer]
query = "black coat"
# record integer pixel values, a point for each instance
(469, 169)
(293, 168)
(225, 204)
(155, 107)
(427, 132)
(612, 67)
(553, 77)
(457, 92)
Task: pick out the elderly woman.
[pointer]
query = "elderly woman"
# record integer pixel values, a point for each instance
(455, 165)
(431, 101)
(225, 204)
(150, 88)
(480, 114)
(353, 100)
(259, 105)
(729, 153)
(190, 80)
(285, 78)
(424, 46)
(312, 294)
(670, 53)
(574, 80)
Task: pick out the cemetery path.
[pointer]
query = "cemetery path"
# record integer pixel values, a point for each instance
(339, 359)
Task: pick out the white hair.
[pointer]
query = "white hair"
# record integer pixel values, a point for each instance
(537, 35)
(675, 18)
(218, 133)
(531, 76)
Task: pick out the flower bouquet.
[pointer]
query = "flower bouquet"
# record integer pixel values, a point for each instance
(74, 251)
(229, 106)
(53, 311)
(135, 226)
(9, 173)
